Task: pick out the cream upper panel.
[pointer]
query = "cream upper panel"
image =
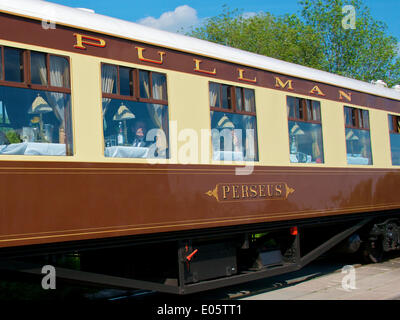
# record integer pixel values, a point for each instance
(272, 127)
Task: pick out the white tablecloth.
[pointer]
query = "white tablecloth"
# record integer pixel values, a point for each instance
(228, 155)
(126, 152)
(294, 158)
(356, 159)
(34, 148)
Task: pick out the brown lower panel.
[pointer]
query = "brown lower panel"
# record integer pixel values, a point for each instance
(44, 202)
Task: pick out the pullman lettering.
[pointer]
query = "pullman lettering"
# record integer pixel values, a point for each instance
(209, 67)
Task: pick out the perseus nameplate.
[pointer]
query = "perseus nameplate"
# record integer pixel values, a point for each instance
(228, 192)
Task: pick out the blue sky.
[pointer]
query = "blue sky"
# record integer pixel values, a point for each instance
(171, 15)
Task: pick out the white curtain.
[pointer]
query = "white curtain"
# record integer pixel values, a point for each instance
(249, 100)
(108, 79)
(214, 94)
(144, 83)
(59, 77)
(239, 99)
(155, 110)
(57, 70)
(41, 64)
(250, 127)
(159, 87)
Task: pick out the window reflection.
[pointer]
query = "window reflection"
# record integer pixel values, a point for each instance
(35, 122)
(395, 148)
(305, 142)
(234, 137)
(358, 141)
(394, 131)
(305, 130)
(358, 146)
(135, 129)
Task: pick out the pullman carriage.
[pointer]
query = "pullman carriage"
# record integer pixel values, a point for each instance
(173, 164)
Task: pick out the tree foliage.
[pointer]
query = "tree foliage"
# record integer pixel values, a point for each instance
(315, 38)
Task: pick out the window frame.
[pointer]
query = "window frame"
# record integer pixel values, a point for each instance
(27, 83)
(135, 89)
(305, 113)
(395, 124)
(234, 108)
(305, 119)
(359, 124)
(135, 86)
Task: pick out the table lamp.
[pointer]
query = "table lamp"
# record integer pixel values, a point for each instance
(123, 114)
(295, 131)
(40, 106)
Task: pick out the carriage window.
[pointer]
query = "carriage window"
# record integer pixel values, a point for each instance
(144, 79)
(215, 95)
(305, 130)
(35, 121)
(1, 64)
(44, 65)
(233, 123)
(135, 115)
(13, 64)
(38, 68)
(59, 72)
(394, 131)
(126, 81)
(159, 86)
(358, 140)
(109, 78)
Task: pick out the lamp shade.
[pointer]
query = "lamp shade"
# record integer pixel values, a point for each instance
(224, 122)
(351, 136)
(123, 113)
(39, 105)
(296, 130)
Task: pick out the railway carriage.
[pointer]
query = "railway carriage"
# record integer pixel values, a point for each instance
(169, 163)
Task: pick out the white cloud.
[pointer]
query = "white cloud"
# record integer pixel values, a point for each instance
(183, 17)
(247, 15)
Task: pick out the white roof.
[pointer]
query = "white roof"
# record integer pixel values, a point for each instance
(103, 24)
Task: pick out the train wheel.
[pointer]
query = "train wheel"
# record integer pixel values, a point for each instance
(373, 251)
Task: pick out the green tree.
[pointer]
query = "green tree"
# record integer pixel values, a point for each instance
(364, 52)
(315, 38)
(285, 37)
